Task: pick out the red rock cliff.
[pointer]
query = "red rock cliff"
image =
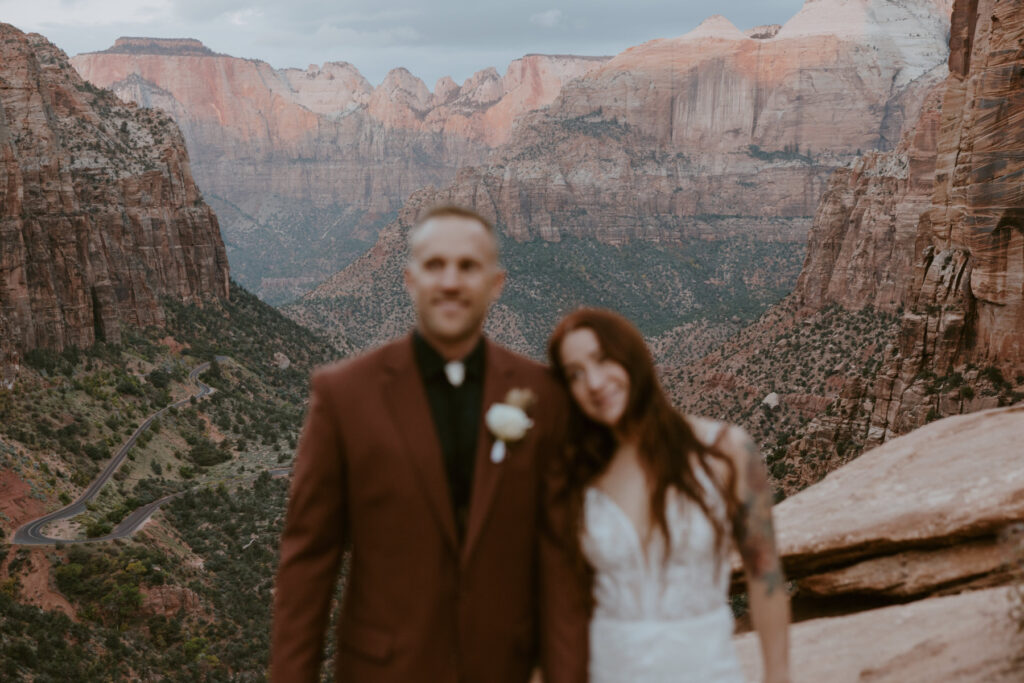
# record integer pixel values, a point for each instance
(968, 290)
(860, 251)
(668, 138)
(304, 165)
(99, 215)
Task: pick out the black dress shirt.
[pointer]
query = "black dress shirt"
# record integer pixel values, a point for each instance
(456, 413)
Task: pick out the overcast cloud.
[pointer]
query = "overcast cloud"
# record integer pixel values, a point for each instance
(456, 37)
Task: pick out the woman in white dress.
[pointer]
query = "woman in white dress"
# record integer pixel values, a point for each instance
(653, 502)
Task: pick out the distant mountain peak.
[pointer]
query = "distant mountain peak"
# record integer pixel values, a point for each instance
(716, 26)
(160, 46)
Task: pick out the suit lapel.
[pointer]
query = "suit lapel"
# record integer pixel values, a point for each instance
(486, 474)
(411, 413)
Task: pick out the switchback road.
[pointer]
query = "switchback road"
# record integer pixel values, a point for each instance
(31, 533)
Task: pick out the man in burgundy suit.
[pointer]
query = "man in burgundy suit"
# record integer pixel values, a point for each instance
(396, 463)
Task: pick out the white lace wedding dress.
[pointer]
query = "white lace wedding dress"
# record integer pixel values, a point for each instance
(657, 621)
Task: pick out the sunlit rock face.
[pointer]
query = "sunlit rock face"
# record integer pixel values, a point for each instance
(99, 214)
(717, 135)
(861, 248)
(714, 123)
(305, 166)
(968, 291)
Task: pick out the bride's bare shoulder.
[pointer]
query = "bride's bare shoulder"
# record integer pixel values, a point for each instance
(705, 429)
(728, 439)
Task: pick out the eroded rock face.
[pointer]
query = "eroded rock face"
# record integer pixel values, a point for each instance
(304, 167)
(99, 215)
(968, 287)
(672, 133)
(918, 515)
(860, 251)
(169, 601)
(714, 135)
(703, 135)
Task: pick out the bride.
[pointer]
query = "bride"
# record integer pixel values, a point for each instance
(647, 506)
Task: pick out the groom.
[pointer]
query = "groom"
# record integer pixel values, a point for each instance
(396, 462)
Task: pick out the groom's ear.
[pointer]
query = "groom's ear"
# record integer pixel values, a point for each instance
(407, 279)
(499, 284)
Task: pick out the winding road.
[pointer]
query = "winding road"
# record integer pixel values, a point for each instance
(31, 533)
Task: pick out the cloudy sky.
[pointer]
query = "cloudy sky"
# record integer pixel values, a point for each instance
(451, 37)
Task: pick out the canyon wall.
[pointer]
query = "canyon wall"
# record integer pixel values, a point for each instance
(717, 136)
(713, 134)
(99, 214)
(931, 233)
(304, 166)
(861, 250)
(966, 324)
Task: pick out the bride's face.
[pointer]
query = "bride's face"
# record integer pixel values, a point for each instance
(598, 384)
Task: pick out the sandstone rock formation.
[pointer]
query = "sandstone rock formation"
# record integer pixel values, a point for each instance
(861, 250)
(99, 215)
(669, 137)
(967, 316)
(170, 601)
(922, 516)
(714, 135)
(931, 231)
(305, 166)
(955, 639)
(919, 515)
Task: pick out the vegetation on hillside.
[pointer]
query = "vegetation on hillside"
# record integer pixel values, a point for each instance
(810, 363)
(658, 286)
(66, 408)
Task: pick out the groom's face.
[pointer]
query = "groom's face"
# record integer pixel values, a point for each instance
(453, 276)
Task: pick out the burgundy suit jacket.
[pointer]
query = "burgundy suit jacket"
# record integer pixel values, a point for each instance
(419, 606)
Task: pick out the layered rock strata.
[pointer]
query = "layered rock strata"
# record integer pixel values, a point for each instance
(861, 248)
(99, 214)
(922, 514)
(967, 316)
(713, 124)
(305, 166)
(931, 519)
(714, 135)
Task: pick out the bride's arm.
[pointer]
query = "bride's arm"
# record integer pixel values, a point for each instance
(755, 539)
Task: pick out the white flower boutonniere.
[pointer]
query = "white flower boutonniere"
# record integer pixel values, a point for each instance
(508, 421)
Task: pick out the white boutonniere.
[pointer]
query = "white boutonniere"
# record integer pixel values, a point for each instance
(508, 421)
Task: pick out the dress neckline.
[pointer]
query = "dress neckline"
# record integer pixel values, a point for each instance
(638, 544)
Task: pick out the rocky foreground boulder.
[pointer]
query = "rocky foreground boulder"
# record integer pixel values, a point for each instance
(953, 639)
(932, 517)
(920, 515)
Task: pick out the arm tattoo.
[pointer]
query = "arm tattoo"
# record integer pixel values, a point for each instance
(755, 534)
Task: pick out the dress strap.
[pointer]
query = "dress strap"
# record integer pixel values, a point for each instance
(717, 431)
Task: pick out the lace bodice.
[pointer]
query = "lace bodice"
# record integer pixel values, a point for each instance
(659, 619)
(632, 584)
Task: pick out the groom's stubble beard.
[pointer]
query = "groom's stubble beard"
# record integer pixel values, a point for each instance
(433, 324)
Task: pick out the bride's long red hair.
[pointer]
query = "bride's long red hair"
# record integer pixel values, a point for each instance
(667, 444)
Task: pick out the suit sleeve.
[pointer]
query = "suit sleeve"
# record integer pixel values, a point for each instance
(564, 593)
(311, 544)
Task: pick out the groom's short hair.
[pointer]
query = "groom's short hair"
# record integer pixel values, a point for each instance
(452, 211)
